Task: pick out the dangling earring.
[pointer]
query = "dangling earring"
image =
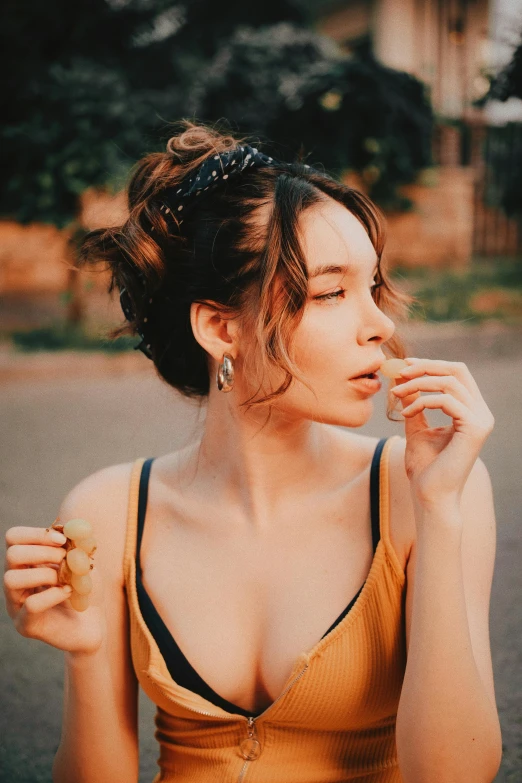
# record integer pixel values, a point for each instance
(225, 374)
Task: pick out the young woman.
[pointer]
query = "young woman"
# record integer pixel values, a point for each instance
(303, 603)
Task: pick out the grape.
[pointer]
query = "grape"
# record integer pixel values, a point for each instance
(87, 544)
(77, 528)
(74, 568)
(81, 584)
(79, 602)
(391, 368)
(78, 561)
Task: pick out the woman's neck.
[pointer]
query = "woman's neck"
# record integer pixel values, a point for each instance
(259, 470)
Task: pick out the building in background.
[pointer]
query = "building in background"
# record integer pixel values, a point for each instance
(445, 43)
(450, 45)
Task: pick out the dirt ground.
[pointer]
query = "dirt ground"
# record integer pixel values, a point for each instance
(67, 420)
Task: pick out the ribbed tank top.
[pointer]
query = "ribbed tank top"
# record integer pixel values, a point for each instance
(178, 665)
(334, 720)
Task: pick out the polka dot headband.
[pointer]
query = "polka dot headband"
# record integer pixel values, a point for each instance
(214, 172)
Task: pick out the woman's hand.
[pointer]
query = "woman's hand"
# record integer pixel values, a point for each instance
(438, 460)
(37, 603)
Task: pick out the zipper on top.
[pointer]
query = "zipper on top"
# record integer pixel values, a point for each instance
(251, 744)
(249, 748)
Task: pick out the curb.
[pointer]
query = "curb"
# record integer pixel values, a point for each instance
(57, 365)
(450, 341)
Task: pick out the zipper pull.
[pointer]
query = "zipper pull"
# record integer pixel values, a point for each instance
(250, 747)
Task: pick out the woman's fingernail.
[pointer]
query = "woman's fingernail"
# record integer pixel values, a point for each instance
(394, 390)
(67, 589)
(57, 537)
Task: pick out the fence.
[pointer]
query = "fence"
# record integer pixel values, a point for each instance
(495, 155)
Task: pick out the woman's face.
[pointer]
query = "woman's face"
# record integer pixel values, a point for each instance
(342, 329)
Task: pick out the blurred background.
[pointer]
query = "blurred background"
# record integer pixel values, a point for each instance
(416, 102)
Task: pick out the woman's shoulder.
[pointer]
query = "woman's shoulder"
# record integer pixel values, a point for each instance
(361, 448)
(102, 499)
(401, 519)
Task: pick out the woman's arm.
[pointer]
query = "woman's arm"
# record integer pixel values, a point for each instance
(447, 722)
(99, 742)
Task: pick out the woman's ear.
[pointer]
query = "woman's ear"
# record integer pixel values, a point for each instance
(215, 330)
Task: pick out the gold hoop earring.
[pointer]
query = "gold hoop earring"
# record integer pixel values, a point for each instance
(225, 374)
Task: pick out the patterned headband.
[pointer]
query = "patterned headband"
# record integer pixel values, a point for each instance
(180, 199)
(213, 172)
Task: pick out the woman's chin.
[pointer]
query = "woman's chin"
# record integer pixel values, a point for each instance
(355, 415)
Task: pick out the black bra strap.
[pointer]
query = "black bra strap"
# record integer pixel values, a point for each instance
(374, 496)
(142, 505)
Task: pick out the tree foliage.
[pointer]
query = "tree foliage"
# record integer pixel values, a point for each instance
(505, 147)
(78, 102)
(90, 86)
(292, 85)
(507, 83)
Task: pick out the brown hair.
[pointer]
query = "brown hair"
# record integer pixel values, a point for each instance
(249, 268)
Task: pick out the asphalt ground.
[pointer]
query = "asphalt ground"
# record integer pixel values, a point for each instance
(66, 419)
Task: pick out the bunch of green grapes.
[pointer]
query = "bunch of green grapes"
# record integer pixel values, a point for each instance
(75, 566)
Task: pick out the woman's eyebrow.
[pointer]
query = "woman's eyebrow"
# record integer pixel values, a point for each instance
(335, 269)
(330, 269)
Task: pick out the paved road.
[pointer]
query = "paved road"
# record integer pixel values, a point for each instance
(55, 432)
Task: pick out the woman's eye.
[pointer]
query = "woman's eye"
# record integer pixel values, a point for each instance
(337, 294)
(333, 295)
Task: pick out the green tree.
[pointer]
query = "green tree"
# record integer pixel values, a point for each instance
(505, 149)
(349, 112)
(89, 86)
(507, 83)
(74, 104)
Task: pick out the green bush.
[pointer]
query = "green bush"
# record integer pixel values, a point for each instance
(60, 337)
(485, 290)
(446, 300)
(299, 91)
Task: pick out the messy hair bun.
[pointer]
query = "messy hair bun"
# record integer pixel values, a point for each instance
(223, 253)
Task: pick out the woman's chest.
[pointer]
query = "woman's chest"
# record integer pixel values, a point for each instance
(244, 606)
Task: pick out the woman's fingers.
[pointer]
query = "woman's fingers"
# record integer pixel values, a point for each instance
(26, 578)
(34, 535)
(32, 557)
(22, 555)
(475, 422)
(39, 602)
(459, 370)
(36, 599)
(445, 402)
(29, 614)
(33, 546)
(459, 395)
(448, 384)
(20, 583)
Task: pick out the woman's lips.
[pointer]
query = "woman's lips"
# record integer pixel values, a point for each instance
(367, 383)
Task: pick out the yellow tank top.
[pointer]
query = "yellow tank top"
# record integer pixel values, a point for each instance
(334, 720)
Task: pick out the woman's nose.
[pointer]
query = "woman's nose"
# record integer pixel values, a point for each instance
(379, 328)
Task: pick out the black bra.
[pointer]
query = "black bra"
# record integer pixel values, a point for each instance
(181, 671)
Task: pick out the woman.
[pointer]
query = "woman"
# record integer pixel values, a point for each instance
(223, 569)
